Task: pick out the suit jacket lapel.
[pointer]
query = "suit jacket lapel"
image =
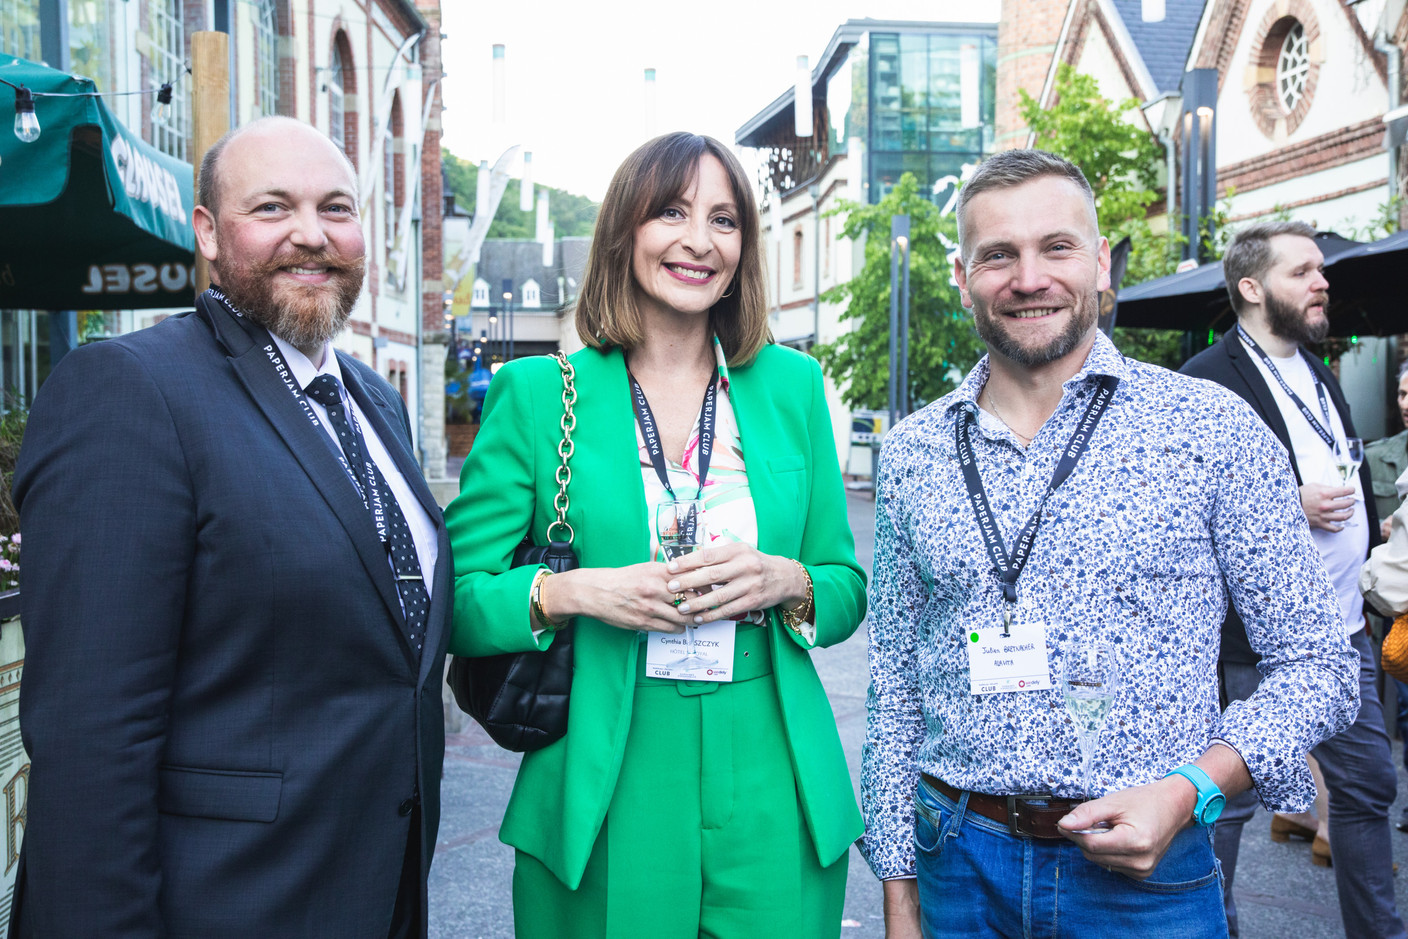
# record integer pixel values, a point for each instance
(247, 354)
(388, 425)
(608, 465)
(754, 411)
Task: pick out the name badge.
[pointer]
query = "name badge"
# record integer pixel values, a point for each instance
(1017, 662)
(667, 655)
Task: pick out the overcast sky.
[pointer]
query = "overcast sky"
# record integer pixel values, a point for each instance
(575, 71)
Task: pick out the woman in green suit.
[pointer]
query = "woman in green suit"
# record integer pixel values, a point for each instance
(674, 806)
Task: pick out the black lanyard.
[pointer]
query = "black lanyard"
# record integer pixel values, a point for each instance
(1010, 567)
(650, 432)
(365, 482)
(1315, 425)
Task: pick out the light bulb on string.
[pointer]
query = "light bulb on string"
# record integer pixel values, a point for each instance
(163, 103)
(26, 123)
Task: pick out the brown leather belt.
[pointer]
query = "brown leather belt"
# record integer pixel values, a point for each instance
(1031, 815)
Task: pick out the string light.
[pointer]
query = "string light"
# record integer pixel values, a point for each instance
(26, 123)
(163, 102)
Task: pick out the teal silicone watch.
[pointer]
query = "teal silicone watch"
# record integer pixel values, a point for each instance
(1211, 801)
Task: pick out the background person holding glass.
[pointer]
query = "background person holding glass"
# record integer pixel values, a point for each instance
(1276, 284)
(677, 805)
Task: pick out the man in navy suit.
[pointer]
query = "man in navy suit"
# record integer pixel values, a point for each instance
(1276, 282)
(236, 598)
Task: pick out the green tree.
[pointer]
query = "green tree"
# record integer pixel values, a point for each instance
(571, 215)
(1121, 161)
(942, 344)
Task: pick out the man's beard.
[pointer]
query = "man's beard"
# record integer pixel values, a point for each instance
(992, 329)
(304, 315)
(1290, 324)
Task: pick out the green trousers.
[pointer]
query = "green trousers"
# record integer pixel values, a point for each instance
(704, 836)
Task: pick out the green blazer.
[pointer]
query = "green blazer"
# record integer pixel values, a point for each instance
(506, 489)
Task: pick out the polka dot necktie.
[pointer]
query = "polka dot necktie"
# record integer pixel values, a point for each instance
(400, 547)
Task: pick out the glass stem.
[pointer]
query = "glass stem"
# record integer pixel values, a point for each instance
(1087, 763)
(689, 640)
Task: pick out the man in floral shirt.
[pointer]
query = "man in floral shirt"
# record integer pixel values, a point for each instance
(1062, 497)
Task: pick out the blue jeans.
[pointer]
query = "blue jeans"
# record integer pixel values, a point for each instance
(1362, 783)
(977, 879)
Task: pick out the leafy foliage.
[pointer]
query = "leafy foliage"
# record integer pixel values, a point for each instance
(1121, 161)
(571, 215)
(942, 343)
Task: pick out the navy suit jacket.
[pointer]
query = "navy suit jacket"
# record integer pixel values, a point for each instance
(228, 728)
(1230, 364)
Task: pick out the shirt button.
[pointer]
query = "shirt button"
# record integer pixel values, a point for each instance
(405, 807)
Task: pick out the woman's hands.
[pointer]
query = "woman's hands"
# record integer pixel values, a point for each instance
(643, 596)
(634, 597)
(746, 580)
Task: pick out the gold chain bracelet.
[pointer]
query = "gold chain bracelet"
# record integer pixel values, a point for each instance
(794, 617)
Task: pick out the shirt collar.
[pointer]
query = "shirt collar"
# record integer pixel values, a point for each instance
(722, 363)
(1103, 359)
(302, 367)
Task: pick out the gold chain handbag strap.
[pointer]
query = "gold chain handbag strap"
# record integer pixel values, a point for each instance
(565, 446)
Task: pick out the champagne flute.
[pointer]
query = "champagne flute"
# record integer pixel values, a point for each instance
(1088, 677)
(1348, 458)
(679, 524)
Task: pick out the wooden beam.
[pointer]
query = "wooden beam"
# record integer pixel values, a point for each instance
(210, 111)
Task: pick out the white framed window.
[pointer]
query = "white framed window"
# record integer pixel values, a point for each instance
(532, 295)
(481, 293)
(266, 30)
(1292, 67)
(170, 124)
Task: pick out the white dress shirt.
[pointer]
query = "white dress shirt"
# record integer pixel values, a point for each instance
(1342, 551)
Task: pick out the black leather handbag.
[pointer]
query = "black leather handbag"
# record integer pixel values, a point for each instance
(521, 698)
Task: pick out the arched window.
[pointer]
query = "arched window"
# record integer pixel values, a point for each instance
(168, 59)
(337, 129)
(391, 182)
(266, 31)
(1292, 67)
(797, 257)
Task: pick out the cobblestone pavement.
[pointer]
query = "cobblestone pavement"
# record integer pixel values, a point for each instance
(1280, 893)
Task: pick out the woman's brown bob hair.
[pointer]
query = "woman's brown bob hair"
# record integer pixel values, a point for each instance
(652, 177)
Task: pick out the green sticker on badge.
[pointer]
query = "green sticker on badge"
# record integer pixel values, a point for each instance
(972, 637)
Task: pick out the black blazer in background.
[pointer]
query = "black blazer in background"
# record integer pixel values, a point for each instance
(1230, 364)
(228, 728)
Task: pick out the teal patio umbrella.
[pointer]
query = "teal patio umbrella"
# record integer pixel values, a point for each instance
(91, 217)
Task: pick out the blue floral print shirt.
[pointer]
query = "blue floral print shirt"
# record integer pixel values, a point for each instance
(1183, 497)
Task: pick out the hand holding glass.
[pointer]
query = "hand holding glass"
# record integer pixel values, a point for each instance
(1088, 678)
(679, 524)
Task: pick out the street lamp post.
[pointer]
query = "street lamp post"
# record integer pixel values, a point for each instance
(508, 314)
(1199, 158)
(449, 300)
(899, 327)
(493, 333)
(814, 190)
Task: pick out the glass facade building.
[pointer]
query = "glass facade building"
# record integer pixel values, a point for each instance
(902, 97)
